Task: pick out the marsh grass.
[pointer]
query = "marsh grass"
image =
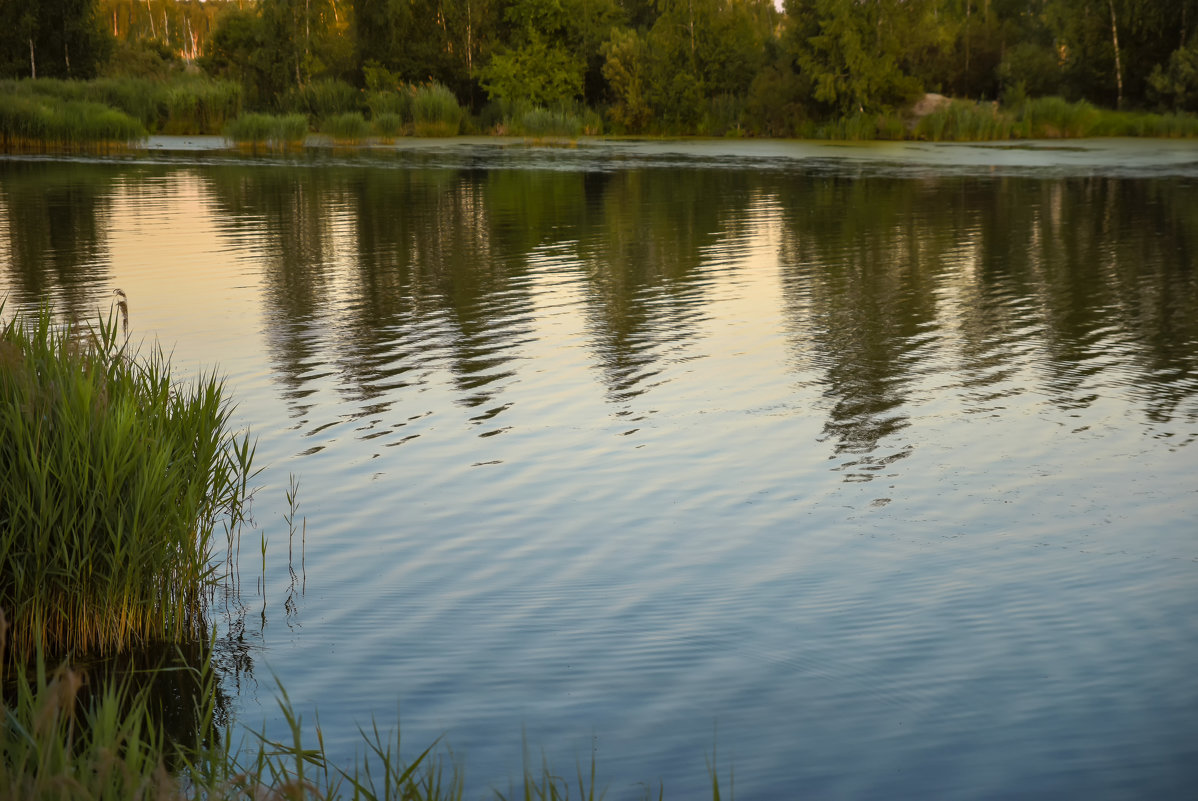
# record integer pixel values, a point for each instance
(347, 128)
(277, 132)
(185, 104)
(113, 478)
(435, 110)
(32, 123)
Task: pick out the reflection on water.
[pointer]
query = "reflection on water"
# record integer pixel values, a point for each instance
(888, 472)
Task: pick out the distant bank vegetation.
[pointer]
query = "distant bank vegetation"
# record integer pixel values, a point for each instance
(359, 71)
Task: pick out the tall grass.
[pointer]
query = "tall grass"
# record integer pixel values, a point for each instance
(278, 131)
(544, 123)
(350, 127)
(32, 123)
(182, 105)
(435, 111)
(113, 478)
(965, 121)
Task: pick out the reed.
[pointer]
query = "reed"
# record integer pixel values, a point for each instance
(348, 128)
(387, 125)
(113, 478)
(544, 123)
(965, 121)
(39, 123)
(435, 111)
(271, 130)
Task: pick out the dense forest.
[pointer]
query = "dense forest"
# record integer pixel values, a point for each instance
(705, 66)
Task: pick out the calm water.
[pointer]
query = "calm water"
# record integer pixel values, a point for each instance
(874, 469)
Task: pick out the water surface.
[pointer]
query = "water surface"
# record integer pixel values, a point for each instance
(873, 468)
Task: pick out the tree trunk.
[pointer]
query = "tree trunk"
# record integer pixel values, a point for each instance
(32, 61)
(1118, 65)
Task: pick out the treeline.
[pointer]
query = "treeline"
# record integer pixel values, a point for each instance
(637, 66)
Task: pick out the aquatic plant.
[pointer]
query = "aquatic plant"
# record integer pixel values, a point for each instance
(278, 131)
(435, 111)
(33, 123)
(113, 478)
(184, 104)
(350, 127)
(541, 123)
(965, 121)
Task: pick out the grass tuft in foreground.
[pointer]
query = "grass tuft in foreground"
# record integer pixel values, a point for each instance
(112, 481)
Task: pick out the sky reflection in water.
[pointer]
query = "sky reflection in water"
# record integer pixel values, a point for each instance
(878, 475)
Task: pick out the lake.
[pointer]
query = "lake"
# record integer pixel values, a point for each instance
(865, 471)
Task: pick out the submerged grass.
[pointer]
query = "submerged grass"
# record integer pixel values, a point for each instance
(112, 481)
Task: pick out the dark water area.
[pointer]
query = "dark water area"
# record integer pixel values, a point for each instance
(873, 470)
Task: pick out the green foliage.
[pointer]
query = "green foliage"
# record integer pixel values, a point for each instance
(543, 123)
(387, 125)
(324, 98)
(1176, 86)
(538, 72)
(1056, 118)
(32, 121)
(349, 127)
(861, 127)
(112, 479)
(199, 105)
(435, 110)
(1032, 67)
(268, 129)
(965, 121)
(627, 69)
(52, 39)
(851, 52)
(142, 58)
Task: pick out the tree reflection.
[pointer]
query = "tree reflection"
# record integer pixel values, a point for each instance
(644, 245)
(54, 218)
(860, 266)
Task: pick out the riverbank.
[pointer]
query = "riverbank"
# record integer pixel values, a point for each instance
(46, 116)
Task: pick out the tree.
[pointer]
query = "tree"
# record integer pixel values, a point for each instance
(539, 65)
(51, 39)
(851, 52)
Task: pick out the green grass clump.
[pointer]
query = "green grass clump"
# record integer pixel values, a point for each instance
(323, 98)
(544, 123)
(184, 104)
(200, 106)
(435, 111)
(112, 481)
(387, 125)
(277, 131)
(350, 127)
(31, 123)
(965, 121)
(1056, 118)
